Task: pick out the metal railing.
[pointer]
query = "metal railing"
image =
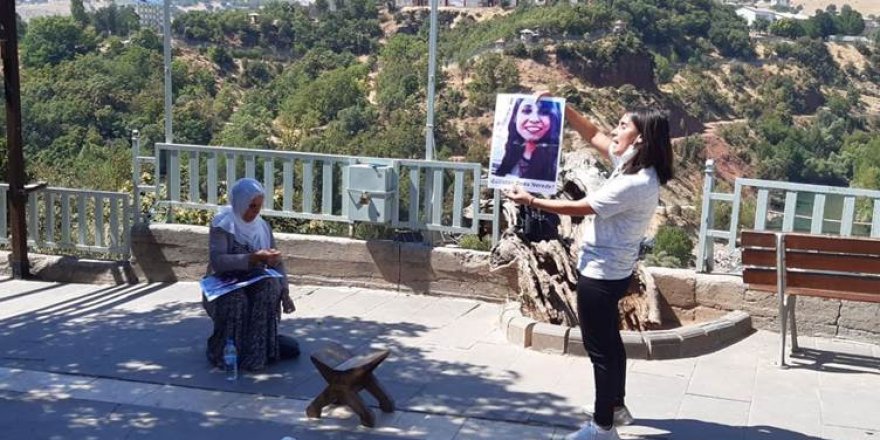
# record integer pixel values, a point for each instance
(815, 209)
(431, 195)
(67, 220)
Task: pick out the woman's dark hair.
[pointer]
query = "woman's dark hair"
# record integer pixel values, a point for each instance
(545, 107)
(655, 150)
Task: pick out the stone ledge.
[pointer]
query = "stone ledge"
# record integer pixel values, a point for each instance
(682, 342)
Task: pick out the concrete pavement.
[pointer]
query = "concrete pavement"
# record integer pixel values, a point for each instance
(85, 361)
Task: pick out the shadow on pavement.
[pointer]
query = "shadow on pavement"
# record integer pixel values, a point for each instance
(145, 333)
(689, 429)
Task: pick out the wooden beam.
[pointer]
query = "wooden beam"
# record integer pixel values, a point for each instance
(15, 156)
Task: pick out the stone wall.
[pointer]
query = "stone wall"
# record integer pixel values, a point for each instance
(700, 297)
(168, 253)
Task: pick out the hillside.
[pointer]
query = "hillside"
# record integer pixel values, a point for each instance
(352, 81)
(866, 7)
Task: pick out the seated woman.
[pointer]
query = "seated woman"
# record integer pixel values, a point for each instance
(240, 241)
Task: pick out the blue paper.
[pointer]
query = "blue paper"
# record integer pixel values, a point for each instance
(217, 285)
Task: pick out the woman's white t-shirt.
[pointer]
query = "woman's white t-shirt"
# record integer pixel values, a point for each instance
(624, 207)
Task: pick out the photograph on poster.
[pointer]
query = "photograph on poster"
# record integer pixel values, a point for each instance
(526, 143)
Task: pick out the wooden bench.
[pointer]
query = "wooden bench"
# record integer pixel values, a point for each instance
(346, 375)
(823, 266)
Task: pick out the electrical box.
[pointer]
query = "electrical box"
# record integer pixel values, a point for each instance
(371, 193)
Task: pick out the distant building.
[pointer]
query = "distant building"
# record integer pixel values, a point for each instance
(150, 13)
(452, 3)
(776, 3)
(752, 14)
(528, 36)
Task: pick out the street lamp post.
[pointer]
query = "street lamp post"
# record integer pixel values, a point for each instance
(166, 31)
(432, 67)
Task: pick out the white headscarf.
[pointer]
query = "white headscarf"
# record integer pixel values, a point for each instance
(254, 233)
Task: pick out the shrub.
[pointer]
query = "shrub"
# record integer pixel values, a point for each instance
(474, 242)
(674, 242)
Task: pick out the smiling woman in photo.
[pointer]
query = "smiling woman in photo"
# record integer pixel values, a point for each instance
(532, 147)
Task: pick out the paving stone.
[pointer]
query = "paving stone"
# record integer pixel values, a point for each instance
(519, 332)
(844, 433)
(850, 402)
(429, 426)
(549, 338)
(786, 400)
(635, 345)
(701, 418)
(663, 344)
(474, 429)
(575, 346)
(695, 341)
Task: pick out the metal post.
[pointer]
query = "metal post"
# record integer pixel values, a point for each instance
(432, 67)
(15, 155)
(706, 247)
(166, 31)
(135, 177)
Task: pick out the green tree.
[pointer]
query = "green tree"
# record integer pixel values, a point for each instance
(674, 241)
(78, 12)
(820, 25)
(52, 39)
(788, 28)
(492, 74)
(850, 21)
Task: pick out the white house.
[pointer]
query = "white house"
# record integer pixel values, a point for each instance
(752, 14)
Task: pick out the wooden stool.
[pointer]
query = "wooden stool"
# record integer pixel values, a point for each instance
(346, 375)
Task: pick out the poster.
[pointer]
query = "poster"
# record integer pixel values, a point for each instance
(217, 285)
(526, 143)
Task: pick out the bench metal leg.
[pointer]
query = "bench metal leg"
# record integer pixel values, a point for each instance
(792, 304)
(783, 315)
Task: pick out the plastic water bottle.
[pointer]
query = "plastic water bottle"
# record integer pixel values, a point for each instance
(230, 358)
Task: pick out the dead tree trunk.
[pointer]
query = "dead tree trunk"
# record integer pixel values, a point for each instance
(547, 270)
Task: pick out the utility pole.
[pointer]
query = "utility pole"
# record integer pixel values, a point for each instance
(166, 31)
(15, 155)
(432, 69)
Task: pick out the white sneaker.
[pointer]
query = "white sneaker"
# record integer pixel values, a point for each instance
(591, 431)
(622, 416)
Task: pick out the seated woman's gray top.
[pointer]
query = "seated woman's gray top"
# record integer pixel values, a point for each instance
(228, 255)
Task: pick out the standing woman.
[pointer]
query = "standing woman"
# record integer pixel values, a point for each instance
(240, 241)
(640, 150)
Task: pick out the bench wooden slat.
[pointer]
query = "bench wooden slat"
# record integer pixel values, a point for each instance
(759, 278)
(829, 262)
(836, 283)
(759, 257)
(858, 246)
(758, 239)
(848, 296)
(765, 280)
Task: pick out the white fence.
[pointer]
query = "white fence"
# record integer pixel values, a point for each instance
(430, 195)
(65, 220)
(785, 207)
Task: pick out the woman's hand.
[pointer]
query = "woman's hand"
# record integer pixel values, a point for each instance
(266, 256)
(518, 195)
(287, 305)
